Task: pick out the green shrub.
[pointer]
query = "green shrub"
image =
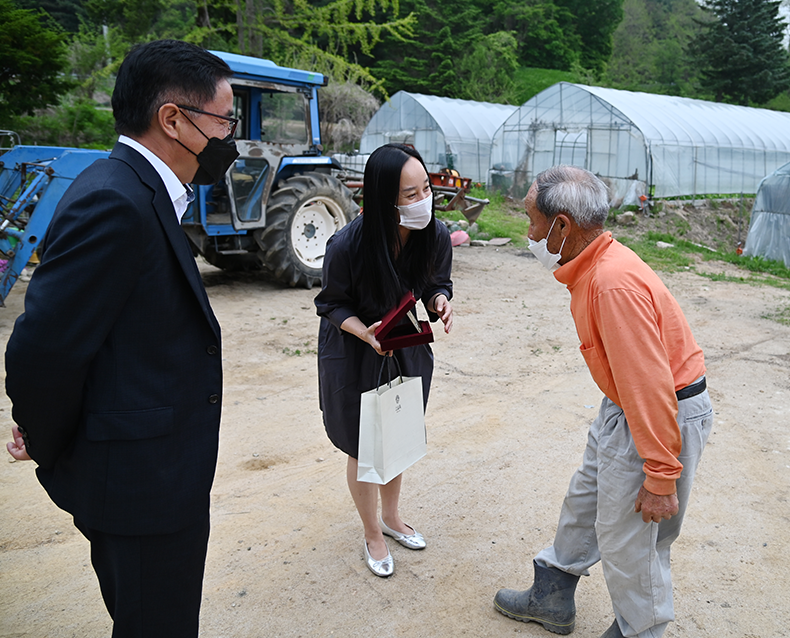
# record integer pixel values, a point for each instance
(79, 124)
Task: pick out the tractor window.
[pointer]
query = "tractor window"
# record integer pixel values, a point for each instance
(248, 178)
(284, 118)
(241, 110)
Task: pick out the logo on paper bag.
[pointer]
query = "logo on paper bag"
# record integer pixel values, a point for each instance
(398, 406)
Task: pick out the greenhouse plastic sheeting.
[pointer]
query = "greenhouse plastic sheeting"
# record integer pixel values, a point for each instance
(675, 146)
(448, 133)
(769, 230)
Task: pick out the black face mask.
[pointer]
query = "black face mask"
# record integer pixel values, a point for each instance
(214, 160)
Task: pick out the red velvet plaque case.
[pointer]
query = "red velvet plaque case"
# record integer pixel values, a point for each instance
(391, 336)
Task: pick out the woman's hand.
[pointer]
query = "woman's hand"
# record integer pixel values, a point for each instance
(369, 337)
(367, 333)
(443, 308)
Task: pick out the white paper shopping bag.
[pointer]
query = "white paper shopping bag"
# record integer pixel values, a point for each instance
(391, 430)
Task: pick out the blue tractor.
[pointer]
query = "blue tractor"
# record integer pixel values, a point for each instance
(275, 210)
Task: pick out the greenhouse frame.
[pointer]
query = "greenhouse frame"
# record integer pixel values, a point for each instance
(640, 143)
(769, 230)
(447, 132)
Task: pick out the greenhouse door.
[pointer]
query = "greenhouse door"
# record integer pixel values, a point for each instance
(542, 152)
(570, 147)
(430, 144)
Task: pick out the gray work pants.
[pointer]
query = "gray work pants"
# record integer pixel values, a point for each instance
(598, 522)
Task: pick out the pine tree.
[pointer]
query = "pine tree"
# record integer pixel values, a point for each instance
(486, 71)
(546, 32)
(67, 13)
(32, 56)
(444, 30)
(740, 51)
(326, 36)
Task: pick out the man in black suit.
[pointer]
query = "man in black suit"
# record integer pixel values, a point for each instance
(114, 369)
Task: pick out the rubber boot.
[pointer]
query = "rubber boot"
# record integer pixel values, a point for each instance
(613, 631)
(549, 601)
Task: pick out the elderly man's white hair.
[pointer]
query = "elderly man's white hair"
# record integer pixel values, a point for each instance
(574, 191)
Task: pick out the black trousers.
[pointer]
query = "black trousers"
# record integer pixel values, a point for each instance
(152, 585)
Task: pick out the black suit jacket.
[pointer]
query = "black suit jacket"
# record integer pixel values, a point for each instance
(114, 369)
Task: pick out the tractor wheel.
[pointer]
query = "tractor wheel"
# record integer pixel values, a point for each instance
(303, 213)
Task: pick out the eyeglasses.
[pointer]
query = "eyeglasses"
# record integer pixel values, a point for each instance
(233, 122)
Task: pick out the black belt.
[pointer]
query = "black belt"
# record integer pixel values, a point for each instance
(692, 390)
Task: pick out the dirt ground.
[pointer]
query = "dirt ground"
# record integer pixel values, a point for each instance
(507, 419)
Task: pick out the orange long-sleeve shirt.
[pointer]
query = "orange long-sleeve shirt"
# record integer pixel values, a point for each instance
(638, 347)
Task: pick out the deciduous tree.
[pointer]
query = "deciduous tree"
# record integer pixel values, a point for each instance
(487, 72)
(648, 52)
(594, 22)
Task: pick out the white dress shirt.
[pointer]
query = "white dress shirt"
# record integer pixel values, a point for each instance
(180, 194)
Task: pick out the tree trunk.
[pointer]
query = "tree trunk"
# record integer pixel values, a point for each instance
(240, 28)
(203, 19)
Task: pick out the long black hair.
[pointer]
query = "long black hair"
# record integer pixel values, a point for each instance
(390, 267)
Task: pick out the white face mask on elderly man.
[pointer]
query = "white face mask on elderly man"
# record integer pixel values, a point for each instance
(416, 216)
(541, 251)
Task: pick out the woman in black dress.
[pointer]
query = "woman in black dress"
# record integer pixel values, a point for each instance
(395, 246)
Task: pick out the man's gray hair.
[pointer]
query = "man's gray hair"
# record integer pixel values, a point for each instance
(574, 191)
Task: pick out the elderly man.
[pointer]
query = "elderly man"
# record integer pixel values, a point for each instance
(115, 368)
(626, 502)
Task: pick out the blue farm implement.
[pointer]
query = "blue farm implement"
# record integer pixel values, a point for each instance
(275, 209)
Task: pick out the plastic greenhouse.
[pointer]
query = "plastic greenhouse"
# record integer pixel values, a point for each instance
(448, 133)
(640, 143)
(769, 230)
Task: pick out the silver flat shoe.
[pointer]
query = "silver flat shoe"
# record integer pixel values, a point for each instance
(382, 568)
(412, 541)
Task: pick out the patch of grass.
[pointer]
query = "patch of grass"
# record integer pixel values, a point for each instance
(752, 280)
(710, 196)
(756, 264)
(496, 223)
(684, 254)
(298, 352)
(668, 259)
(500, 219)
(496, 220)
(781, 315)
(682, 226)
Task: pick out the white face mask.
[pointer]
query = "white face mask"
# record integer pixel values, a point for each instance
(416, 216)
(541, 250)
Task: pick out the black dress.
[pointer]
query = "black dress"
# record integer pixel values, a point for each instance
(347, 366)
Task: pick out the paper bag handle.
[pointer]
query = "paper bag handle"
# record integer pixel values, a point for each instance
(381, 370)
